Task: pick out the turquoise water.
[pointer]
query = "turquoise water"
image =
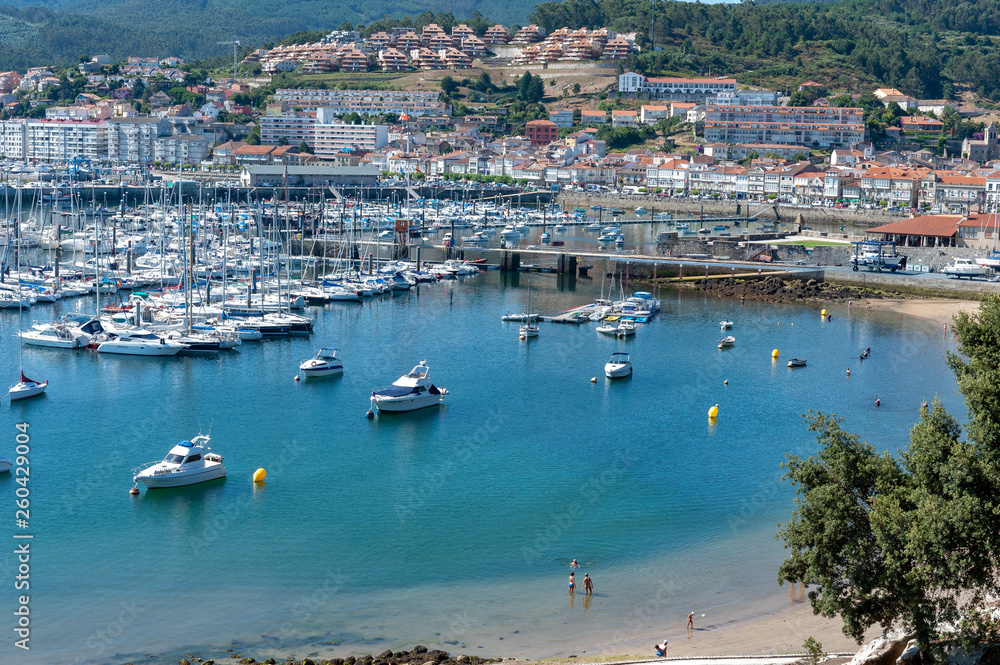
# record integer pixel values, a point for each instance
(453, 526)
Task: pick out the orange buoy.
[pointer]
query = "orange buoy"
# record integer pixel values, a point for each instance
(134, 490)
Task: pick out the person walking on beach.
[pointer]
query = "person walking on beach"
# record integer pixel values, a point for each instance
(690, 626)
(588, 585)
(572, 582)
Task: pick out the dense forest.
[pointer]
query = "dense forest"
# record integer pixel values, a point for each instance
(925, 48)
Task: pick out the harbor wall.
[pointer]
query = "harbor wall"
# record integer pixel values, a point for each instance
(858, 219)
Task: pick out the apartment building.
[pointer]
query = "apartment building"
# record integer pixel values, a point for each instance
(13, 139)
(63, 140)
(294, 127)
(676, 89)
(180, 149)
(807, 125)
(131, 140)
(412, 103)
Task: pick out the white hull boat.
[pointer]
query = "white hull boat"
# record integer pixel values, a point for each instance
(526, 331)
(326, 363)
(626, 329)
(727, 342)
(409, 392)
(964, 268)
(187, 463)
(26, 388)
(619, 366)
(56, 337)
(137, 343)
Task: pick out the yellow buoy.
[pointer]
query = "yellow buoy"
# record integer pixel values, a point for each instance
(713, 412)
(259, 475)
(726, 382)
(823, 313)
(774, 354)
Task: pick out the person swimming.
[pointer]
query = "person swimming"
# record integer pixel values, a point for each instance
(574, 564)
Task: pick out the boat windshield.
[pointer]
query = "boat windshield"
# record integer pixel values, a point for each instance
(173, 459)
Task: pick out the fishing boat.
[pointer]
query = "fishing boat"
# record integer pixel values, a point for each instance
(325, 363)
(727, 342)
(797, 362)
(409, 392)
(187, 463)
(964, 268)
(619, 366)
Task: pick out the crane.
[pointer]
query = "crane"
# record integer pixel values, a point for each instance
(236, 45)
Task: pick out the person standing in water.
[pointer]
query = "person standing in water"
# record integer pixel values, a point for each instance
(572, 582)
(588, 585)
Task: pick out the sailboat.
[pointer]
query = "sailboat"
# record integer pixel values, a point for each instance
(26, 387)
(529, 329)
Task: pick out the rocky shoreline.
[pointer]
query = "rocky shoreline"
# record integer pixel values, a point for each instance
(420, 655)
(776, 289)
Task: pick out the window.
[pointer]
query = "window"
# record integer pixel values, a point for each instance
(193, 458)
(173, 459)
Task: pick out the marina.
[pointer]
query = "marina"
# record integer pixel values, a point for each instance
(524, 444)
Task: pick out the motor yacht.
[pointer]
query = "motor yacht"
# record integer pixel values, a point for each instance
(725, 325)
(619, 366)
(325, 363)
(409, 392)
(136, 342)
(727, 342)
(187, 463)
(55, 336)
(625, 328)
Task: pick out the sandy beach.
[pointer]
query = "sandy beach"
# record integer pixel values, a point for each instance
(780, 631)
(938, 311)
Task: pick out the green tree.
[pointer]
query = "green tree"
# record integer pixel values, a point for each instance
(448, 86)
(913, 540)
(304, 147)
(254, 137)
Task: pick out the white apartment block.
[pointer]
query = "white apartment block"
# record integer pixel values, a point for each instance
(807, 125)
(63, 140)
(180, 149)
(13, 139)
(677, 89)
(331, 138)
(131, 140)
(412, 103)
(294, 127)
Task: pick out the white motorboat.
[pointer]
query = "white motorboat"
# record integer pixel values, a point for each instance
(964, 268)
(527, 330)
(187, 463)
(727, 342)
(409, 392)
(607, 329)
(626, 328)
(55, 336)
(137, 342)
(26, 388)
(725, 325)
(324, 363)
(797, 362)
(619, 366)
(5, 464)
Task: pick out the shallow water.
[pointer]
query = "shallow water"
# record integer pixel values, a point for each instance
(453, 526)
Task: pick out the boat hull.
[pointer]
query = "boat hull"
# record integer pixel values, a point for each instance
(211, 471)
(24, 391)
(616, 371)
(321, 371)
(401, 404)
(140, 349)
